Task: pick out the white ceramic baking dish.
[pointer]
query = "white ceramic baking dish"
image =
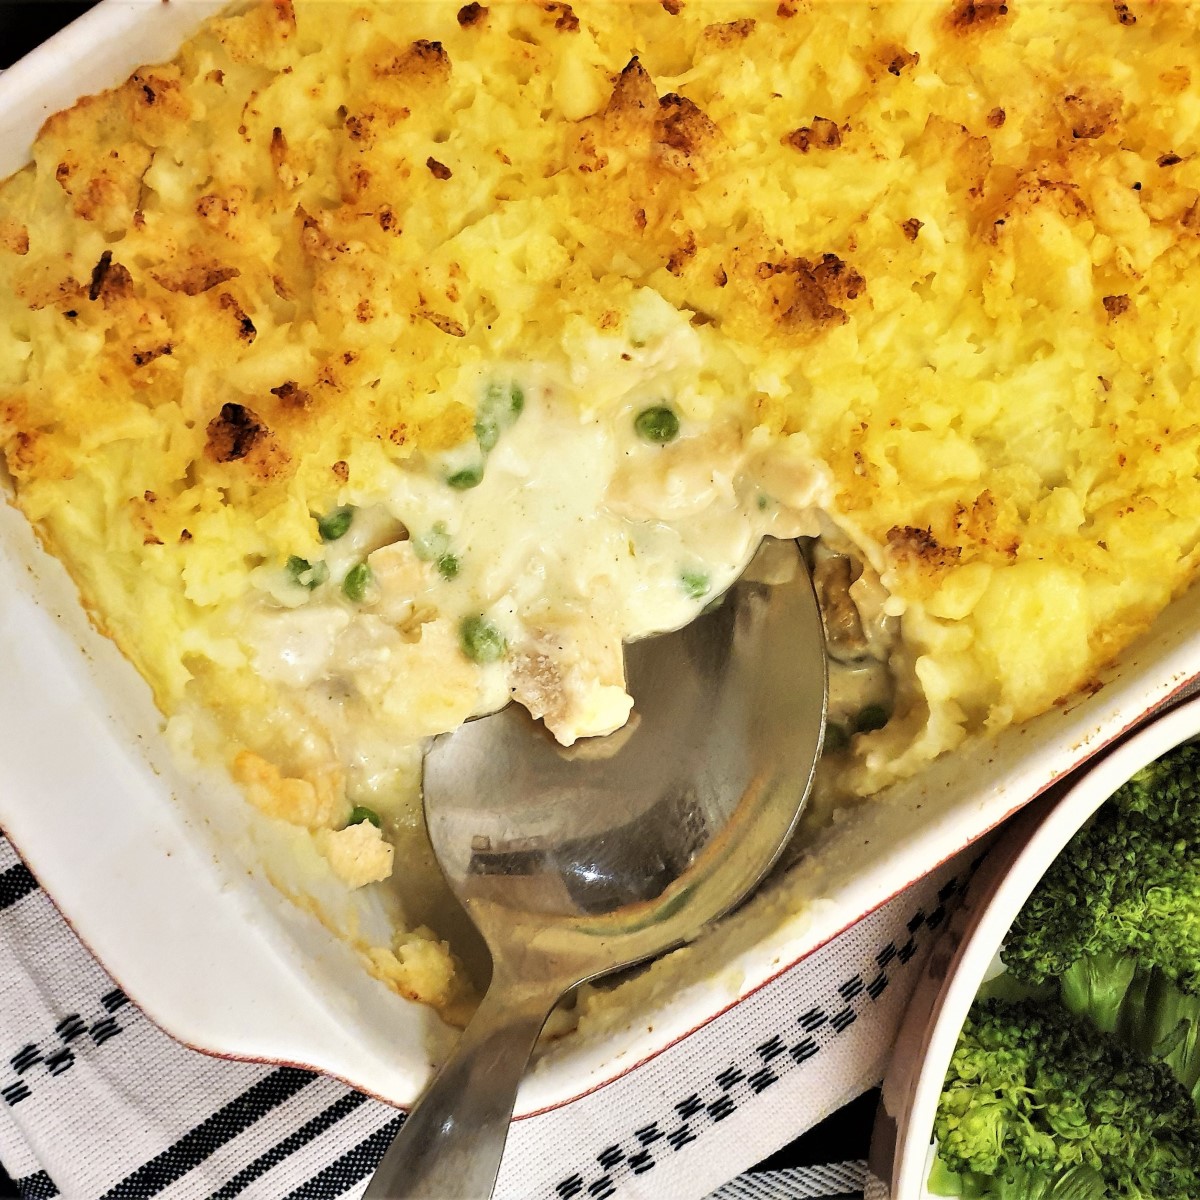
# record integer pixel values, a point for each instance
(966, 954)
(168, 877)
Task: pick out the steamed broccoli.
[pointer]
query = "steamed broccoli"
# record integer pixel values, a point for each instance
(1039, 1105)
(1116, 919)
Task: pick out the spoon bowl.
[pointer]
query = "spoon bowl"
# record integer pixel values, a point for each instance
(575, 862)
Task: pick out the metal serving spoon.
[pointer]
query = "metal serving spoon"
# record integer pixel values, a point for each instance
(574, 863)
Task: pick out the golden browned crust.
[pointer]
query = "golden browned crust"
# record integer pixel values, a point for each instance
(952, 245)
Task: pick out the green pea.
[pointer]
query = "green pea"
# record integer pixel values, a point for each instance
(481, 641)
(695, 583)
(432, 544)
(360, 813)
(448, 566)
(874, 716)
(499, 408)
(657, 424)
(358, 579)
(763, 501)
(836, 738)
(306, 574)
(334, 523)
(468, 477)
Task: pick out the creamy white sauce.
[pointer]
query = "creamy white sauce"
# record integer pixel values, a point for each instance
(581, 534)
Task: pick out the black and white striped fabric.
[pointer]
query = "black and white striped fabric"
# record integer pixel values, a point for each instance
(96, 1101)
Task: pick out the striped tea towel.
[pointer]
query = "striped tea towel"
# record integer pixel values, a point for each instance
(96, 1101)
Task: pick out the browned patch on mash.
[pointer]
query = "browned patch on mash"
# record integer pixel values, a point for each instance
(564, 17)
(148, 355)
(634, 92)
(472, 14)
(245, 327)
(238, 434)
(1028, 194)
(193, 279)
(1115, 306)
(234, 433)
(422, 62)
(728, 33)
(987, 525)
(279, 148)
(682, 254)
(671, 133)
(443, 322)
(110, 281)
(142, 512)
(316, 241)
(810, 293)
(1090, 117)
(285, 14)
(682, 129)
(890, 58)
(918, 547)
(969, 15)
(292, 395)
(822, 134)
(14, 236)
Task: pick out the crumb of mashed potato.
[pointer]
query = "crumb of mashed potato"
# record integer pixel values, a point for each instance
(418, 965)
(358, 854)
(315, 802)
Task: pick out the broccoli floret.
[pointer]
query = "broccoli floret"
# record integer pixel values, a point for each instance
(1092, 1098)
(1038, 1103)
(1116, 919)
(1129, 881)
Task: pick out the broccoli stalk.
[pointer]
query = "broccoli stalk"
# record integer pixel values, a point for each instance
(1039, 1105)
(1096, 986)
(1160, 1020)
(1116, 919)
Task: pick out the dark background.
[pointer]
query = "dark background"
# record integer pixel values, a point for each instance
(27, 23)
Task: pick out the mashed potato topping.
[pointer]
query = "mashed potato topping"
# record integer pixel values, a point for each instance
(372, 363)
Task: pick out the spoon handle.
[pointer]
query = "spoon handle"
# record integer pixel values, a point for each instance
(453, 1139)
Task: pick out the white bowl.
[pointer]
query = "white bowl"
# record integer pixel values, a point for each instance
(169, 880)
(964, 956)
